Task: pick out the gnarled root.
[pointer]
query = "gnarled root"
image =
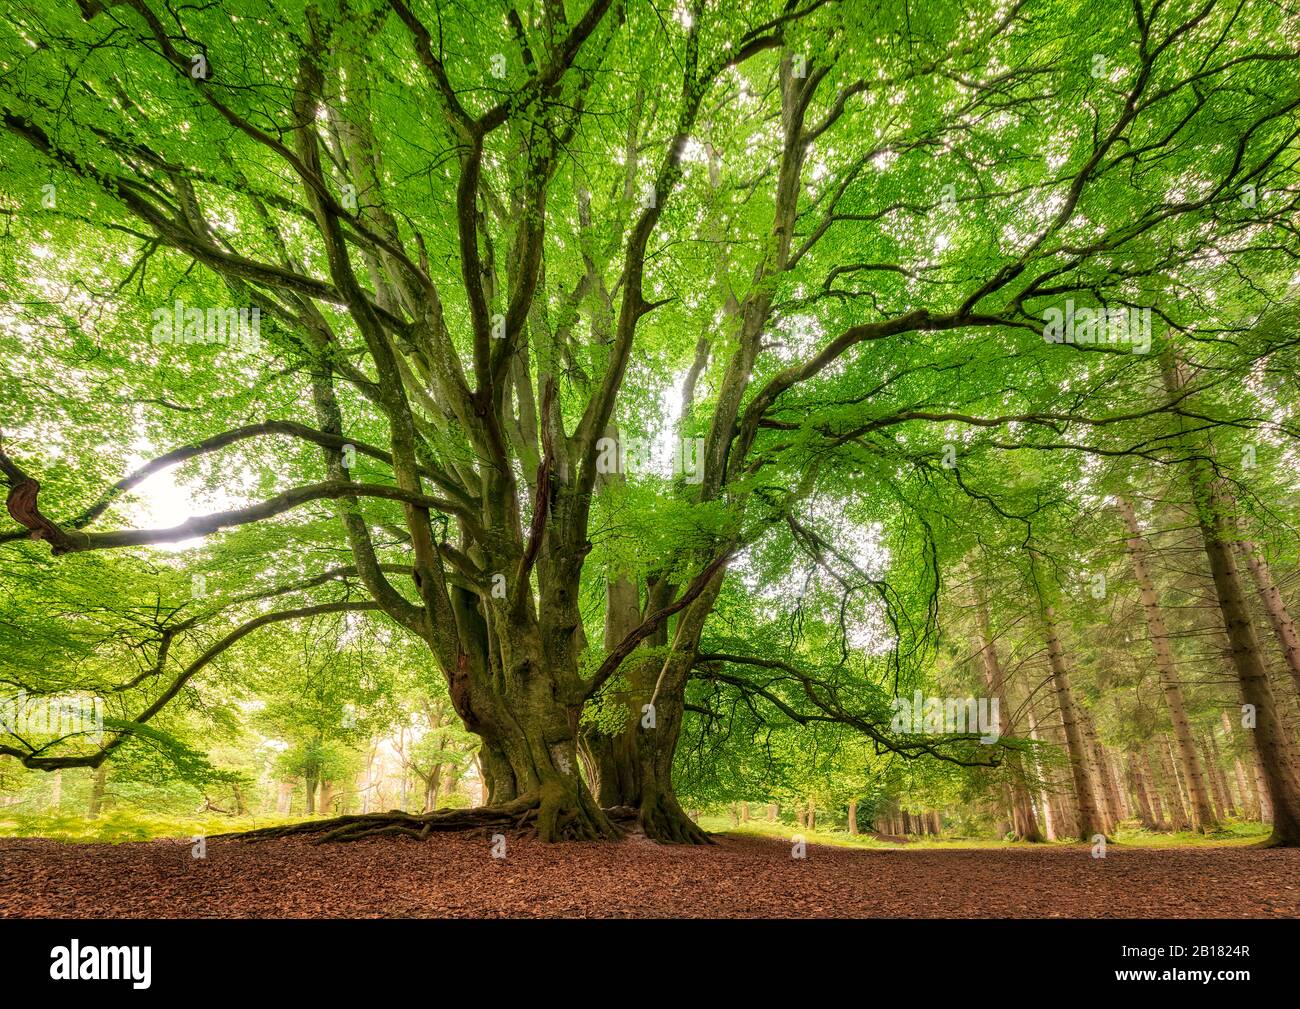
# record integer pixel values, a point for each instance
(553, 816)
(662, 819)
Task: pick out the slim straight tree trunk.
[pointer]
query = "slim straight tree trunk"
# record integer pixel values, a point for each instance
(1091, 821)
(1145, 816)
(1216, 762)
(1179, 817)
(1249, 798)
(772, 810)
(326, 795)
(1153, 793)
(97, 785)
(1261, 789)
(853, 815)
(1203, 818)
(1044, 800)
(311, 794)
(1274, 605)
(744, 812)
(1107, 798)
(1216, 787)
(1021, 803)
(1061, 791)
(1214, 516)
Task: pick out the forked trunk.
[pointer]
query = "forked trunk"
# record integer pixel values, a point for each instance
(636, 764)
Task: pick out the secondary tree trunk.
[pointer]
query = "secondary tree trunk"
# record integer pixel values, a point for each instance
(326, 795)
(1024, 818)
(1090, 821)
(97, 784)
(1274, 605)
(1145, 815)
(1203, 817)
(1045, 799)
(1276, 753)
(1153, 793)
(635, 763)
(1245, 789)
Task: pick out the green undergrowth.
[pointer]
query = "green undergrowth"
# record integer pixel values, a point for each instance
(1235, 834)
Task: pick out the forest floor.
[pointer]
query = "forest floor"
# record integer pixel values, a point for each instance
(456, 875)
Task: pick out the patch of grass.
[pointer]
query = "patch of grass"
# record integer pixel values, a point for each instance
(1234, 834)
(125, 824)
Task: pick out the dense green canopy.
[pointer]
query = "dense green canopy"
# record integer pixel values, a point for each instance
(662, 384)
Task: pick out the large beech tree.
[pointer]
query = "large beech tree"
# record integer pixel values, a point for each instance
(498, 248)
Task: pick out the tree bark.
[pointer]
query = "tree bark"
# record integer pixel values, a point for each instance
(1021, 803)
(1274, 606)
(1245, 788)
(1203, 818)
(1153, 793)
(97, 785)
(1090, 821)
(1145, 814)
(1215, 519)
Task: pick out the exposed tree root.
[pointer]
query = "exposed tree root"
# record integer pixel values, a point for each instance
(528, 814)
(663, 820)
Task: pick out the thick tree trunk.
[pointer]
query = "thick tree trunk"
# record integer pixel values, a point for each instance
(1203, 818)
(853, 816)
(1090, 821)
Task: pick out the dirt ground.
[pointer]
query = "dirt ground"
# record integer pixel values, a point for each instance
(455, 875)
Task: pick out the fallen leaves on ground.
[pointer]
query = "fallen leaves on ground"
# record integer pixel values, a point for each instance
(455, 875)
